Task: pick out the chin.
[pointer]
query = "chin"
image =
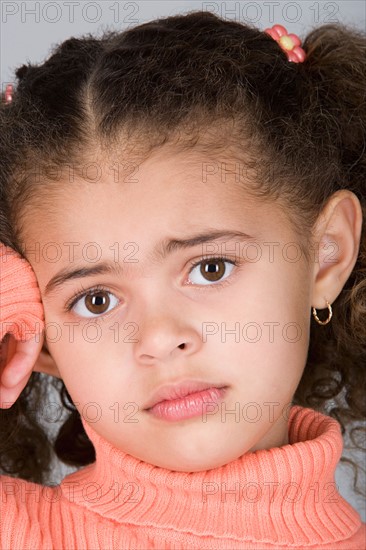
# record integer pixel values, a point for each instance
(188, 463)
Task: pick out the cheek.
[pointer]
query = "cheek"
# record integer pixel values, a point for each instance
(90, 362)
(269, 360)
(76, 359)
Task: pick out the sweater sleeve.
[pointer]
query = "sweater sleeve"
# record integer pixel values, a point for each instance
(21, 309)
(21, 314)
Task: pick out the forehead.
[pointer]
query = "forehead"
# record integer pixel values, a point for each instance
(133, 201)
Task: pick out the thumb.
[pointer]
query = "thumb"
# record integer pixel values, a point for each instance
(20, 357)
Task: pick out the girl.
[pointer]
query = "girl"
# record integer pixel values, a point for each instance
(178, 202)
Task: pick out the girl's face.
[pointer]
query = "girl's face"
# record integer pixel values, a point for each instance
(243, 326)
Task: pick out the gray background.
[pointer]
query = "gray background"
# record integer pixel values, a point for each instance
(30, 29)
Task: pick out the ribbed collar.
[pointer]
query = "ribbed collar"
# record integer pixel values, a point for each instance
(284, 495)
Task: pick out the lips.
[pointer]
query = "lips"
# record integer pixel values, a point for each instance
(169, 392)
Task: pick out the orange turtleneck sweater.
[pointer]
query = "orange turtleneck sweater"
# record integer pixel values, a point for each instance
(279, 498)
(284, 497)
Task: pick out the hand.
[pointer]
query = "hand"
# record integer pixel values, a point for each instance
(17, 360)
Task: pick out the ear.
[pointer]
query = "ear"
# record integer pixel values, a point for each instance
(337, 242)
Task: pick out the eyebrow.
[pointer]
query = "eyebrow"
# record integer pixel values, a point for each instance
(160, 253)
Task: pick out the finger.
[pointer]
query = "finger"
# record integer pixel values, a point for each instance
(9, 396)
(22, 362)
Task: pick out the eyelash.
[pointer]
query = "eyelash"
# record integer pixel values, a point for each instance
(81, 293)
(213, 259)
(97, 288)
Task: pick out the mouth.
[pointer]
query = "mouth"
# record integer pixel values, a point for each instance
(174, 392)
(198, 403)
(188, 397)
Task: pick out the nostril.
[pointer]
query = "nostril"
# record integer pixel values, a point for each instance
(181, 346)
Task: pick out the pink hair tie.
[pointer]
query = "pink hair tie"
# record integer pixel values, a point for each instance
(290, 43)
(9, 93)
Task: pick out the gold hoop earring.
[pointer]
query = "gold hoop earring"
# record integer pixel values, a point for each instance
(329, 316)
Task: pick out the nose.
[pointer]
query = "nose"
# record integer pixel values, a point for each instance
(165, 335)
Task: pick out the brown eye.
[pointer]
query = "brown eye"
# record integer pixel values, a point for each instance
(98, 302)
(94, 302)
(211, 270)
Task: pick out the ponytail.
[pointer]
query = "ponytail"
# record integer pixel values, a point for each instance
(336, 68)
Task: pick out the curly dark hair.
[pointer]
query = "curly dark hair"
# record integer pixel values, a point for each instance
(165, 82)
